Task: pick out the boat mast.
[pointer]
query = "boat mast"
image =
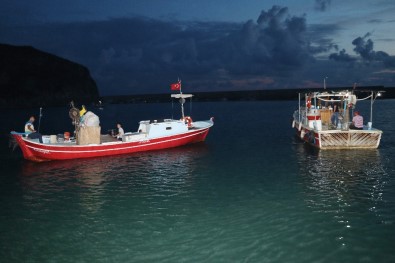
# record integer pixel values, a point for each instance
(180, 96)
(182, 100)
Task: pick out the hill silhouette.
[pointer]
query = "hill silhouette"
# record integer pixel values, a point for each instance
(31, 78)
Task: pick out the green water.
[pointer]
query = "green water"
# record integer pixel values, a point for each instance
(251, 193)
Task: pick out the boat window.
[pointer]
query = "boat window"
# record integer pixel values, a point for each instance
(168, 128)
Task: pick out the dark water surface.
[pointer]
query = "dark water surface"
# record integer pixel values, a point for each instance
(251, 193)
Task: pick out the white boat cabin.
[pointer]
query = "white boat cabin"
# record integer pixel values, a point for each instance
(156, 128)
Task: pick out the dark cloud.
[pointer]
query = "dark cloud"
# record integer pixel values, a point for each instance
(365, 48)
(275, 41)
(140, 55)
(127, 54)
(389, 62)
(341, 56)
(322, 5)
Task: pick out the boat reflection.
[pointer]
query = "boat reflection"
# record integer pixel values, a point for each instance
(94, 180)
(342, 186)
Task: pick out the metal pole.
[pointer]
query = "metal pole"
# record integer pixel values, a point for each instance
(305, 119)
(371, 108)
(325, 82)
(299, 113)
(182, 107)
(39, 120)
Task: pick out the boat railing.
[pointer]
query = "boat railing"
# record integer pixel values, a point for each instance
(300, 115)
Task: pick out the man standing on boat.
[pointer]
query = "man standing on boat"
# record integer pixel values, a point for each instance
(357, 121)
(335, 115)
(31, 132)
(120, 132)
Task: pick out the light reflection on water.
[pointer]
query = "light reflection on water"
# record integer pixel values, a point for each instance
(154, 174)
(345, 188)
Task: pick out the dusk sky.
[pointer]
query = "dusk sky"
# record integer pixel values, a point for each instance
(141, 46)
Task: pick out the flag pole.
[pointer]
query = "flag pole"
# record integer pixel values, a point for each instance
(179, 83)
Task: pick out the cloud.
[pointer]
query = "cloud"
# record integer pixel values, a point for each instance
(365, 48)
(275, 40)
(141, 55)
(368, 57)
(341, 56)
(131, 53)
(322, 5)
(375, 21)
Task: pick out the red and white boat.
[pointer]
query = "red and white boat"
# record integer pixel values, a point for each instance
(150, 135)
(313, 120)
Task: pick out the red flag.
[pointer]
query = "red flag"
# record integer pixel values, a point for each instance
(175, 86)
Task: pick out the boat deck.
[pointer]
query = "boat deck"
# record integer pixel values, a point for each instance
(104, 138)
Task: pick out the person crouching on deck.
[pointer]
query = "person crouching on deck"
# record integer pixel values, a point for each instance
(31, 132)
(357, 122)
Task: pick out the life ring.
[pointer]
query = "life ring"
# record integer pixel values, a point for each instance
(187, 120)
(308, 103)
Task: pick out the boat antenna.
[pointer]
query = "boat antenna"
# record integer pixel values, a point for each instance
(39, 120)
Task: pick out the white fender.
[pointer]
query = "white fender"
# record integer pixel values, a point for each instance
(302, 133)
(300, 126)
(293, 124)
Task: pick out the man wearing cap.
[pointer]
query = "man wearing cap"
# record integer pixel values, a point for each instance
(357, 122)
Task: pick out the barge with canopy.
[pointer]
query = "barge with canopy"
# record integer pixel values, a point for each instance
(313, 120)
(150, 135)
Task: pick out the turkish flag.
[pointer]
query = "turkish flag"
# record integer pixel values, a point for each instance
(175, 86)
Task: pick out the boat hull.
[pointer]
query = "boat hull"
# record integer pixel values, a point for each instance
(39, 152)
(339, 139)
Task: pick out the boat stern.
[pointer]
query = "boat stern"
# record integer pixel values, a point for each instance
(27, 153)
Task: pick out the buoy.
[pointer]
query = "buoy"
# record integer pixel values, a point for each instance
(187, 120)
(308, 104)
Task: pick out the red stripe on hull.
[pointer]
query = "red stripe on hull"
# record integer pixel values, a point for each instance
(312, 117)
(42, 152)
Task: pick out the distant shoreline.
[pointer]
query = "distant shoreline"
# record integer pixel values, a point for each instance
(248, 95)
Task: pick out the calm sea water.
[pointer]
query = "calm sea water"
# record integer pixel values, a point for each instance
(251, 193)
